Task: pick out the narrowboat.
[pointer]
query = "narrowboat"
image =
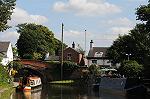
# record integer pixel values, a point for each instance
(28, 83)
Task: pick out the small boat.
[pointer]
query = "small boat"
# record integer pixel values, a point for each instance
(28, 83)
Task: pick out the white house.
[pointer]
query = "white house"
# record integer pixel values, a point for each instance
(97, 56)
(6, 53)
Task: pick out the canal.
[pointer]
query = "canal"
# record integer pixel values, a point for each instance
(65, 92)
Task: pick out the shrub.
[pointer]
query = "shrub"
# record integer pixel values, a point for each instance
(131, 69)
(4, 77)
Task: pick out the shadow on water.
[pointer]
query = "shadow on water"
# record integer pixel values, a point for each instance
(137, 96)
(68, 92)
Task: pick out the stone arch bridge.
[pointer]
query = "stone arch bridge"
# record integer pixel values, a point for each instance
(38, 68)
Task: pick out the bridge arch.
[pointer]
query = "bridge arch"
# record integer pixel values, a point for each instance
(31, 71)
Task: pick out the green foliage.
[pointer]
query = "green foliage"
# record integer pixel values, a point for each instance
(121, 46)
(37, 56)
(34, 39)
(27, 56)
(58, 46)
(131, 69)
(93, 69)
(4, 77)
(68, 69)
(136, 43)
(16, 67)
(15, 52)
(6, 10)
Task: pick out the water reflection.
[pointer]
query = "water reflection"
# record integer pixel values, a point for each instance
(65, 92)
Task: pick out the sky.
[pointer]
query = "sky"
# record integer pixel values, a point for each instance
(103, 20)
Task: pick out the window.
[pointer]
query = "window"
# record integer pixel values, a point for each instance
(98, 54)
(69, 56)
(94, 61)
(32, 82)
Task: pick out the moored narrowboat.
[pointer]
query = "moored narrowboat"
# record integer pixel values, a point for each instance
(28, 83)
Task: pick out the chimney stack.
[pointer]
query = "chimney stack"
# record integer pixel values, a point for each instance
(73, 45)
(91, 44)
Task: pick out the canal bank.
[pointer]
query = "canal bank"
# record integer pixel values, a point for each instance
(6, 90)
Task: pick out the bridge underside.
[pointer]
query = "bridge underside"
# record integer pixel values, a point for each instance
(40, 73)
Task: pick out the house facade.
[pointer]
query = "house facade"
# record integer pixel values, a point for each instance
(97, 56)
(73, 54)
(6, 53)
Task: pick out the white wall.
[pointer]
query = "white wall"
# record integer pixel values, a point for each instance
(8, 57)
(100, 62)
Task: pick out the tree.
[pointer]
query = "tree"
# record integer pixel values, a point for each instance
(58, 46)
(121, 46)
(34, 40)
(6, 10)
(138, 42)
(131, 69)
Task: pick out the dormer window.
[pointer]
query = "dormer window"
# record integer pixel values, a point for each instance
(98, 54)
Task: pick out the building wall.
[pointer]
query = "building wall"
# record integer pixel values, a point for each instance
(100, 62)
(75, 56)
(8, 57)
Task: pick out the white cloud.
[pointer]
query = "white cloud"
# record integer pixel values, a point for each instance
(135, 0)
(21, 16)
(87, 7)
(11, 36)
(120, 30)
(120, 22)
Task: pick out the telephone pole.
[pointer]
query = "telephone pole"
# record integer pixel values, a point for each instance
(62, 51)
(85, 42)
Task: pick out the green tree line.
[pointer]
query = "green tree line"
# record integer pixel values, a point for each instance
(136, 42)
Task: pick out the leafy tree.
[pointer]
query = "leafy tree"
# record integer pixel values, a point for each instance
(58, 46)
(131, 69)
(121, 46)
(138, 39)
(6, 10)
(34, 39)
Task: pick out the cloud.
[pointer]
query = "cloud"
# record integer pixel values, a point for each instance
(135, 0)
(120, 22)
(21, 16)
(87, 7)
(120, 30)
(11, 36)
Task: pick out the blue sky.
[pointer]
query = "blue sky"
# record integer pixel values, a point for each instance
(104, 20)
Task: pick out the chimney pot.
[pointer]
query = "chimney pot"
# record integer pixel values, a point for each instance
(91, 44)
(73, 45)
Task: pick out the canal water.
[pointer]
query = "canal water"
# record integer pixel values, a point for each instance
(67, 92)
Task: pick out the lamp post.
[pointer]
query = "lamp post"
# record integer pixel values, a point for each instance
(128, 56)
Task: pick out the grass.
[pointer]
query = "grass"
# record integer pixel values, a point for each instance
(4, 85)
(62, 82)
(6, 89)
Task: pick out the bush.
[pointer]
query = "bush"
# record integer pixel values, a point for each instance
(68, 69)
(131, 69)
(93, 69)
(27, 56)
(4, 77)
